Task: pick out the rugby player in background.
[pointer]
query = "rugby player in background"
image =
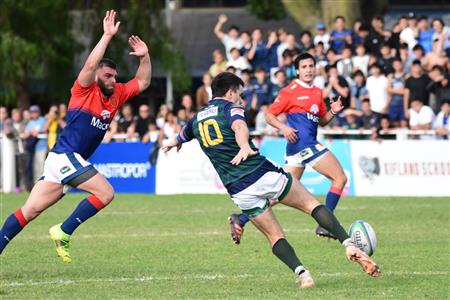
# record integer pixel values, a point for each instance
(305, 109)
(95, 98)
(251, 179)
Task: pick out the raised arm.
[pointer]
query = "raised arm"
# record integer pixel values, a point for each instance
(110, 28)
(218, 28)
(144, 72)
(335, 108)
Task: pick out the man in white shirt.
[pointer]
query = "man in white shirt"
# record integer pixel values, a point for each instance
(421, 116)
(409, 34)
(229, 40)
(322, 35)
(442, 122)
(377, 85)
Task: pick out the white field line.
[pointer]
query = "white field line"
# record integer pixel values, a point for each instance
(195, 277)
(156, 234)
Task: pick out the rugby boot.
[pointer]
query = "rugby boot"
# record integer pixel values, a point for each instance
(368, 265)
(322, 232)
(305, 280)
(61, 240)
(236, 228)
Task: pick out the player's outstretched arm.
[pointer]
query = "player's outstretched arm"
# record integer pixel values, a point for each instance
(144, 72)
(242, 135)
(110, 28)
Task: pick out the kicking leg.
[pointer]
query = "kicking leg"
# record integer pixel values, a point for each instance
(268, 225)
(298, 197)
(43, 195)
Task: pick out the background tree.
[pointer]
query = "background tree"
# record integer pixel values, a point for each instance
(266, 9)
(36, 50)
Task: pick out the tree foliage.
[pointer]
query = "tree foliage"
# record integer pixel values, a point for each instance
(35, 43)
(267, 9)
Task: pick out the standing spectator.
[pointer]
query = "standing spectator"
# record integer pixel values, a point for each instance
(322, 35)
(204, 92)
(345, 65)
(385, 60)
(421, 116)
(442, 33)
(306, 41)
(237, 61)
(340, 35)
(289, 45)
(336, 86)
(246, 43)
(409, 34)
(396, 90)
(377, 35)
(231, 39)
(355, 30)
(394, 40)
(435, 57)
(361, 60)
(439, 87)
(287, 65)
(161, 116)
(143, 120)
(18, 128)
(272, 48)
(377, 85)
(261, 88)
(188, 104)
(415, 87)
(332, 56)
(125, 122)
(282, 37)
(442, 124)
(358, 89)
(319, 55)
(425, 33)
(247, 89)
(258, 53)
(281, 82)
(219, 65)
(36, 146)
(170, 128)
(405, 57)
(369, 119)
(54, 123)
(418, 53)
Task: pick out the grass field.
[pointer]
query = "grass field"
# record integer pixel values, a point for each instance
(166, 247)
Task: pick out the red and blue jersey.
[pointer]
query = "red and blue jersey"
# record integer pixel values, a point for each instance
(89, 116)
(303, 106)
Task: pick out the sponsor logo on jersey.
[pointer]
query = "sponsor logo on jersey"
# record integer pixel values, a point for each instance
(302, 97)
(64, 169)
(100, 125)
(210, 111)
(105, 114)
(237, 111)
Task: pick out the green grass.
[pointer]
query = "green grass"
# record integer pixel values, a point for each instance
(166, 247)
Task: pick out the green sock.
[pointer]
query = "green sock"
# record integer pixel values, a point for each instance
(286, 254)
(327, 220)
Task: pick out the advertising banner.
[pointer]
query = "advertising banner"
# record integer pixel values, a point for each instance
(126, 166)
(317, 184)
(188, 171)
(401, 168)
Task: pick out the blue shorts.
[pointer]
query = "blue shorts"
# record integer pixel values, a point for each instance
(396, 113)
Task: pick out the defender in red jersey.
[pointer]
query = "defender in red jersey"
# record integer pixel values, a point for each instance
(95, 98)
(305, 110)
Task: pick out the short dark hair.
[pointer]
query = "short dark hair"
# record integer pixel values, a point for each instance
(329, 67)
(339, 17)
(224, 82)
(438, 20)
(233, 27)
(303, 56)
(106, 62)
(438, 68)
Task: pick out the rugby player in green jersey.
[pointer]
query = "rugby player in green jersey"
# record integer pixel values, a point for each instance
(251, 179)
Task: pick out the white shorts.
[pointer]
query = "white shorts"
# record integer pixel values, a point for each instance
(308, 156)
(254, 199)
(62, 168)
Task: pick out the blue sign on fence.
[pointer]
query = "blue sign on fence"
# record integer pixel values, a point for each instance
(126, 166)
(275, 149)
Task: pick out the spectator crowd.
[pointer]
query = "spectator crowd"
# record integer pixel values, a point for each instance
(387, 78)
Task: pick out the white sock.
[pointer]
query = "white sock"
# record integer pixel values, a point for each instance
(299, 270)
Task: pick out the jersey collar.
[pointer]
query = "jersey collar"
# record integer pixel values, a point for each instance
(304, 84)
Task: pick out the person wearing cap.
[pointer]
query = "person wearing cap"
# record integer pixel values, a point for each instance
(409, 34)
(322, 35)
(36, 146)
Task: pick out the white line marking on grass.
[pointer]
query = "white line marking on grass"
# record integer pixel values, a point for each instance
(125, 279)
(388, 273)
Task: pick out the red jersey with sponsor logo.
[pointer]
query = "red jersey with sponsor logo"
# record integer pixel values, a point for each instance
(303, 106)
(89, 116)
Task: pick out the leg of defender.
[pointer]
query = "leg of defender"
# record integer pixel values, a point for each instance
(43, 195)
(330, 167)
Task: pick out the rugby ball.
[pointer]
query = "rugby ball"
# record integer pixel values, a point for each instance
(363, 236)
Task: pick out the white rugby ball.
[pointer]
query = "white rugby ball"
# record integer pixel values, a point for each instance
(363, 236)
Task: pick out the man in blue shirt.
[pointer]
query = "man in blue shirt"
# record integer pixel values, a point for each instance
(341, 35)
